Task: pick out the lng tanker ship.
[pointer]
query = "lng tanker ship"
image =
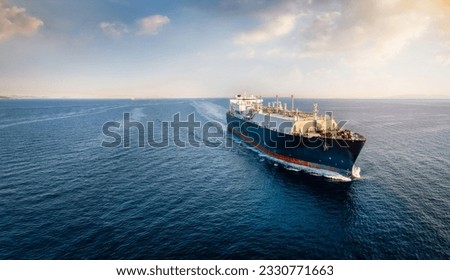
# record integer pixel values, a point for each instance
(295, 137)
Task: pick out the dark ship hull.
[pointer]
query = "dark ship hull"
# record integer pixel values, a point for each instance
(336, 155)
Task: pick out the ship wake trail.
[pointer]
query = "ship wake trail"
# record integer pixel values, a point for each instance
(137, 114)
(54, 117)
(211, 112)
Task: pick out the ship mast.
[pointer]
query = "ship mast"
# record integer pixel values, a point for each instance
(315, 111)
(277, 104)
(292, 103)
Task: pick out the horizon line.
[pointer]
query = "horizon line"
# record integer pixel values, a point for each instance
(221, 97)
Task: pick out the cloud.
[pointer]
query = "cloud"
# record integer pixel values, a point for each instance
(441, 11)
(273, 27)
(151, 25)
(443, 58)
(360, 32)
(15, 21)
(372, 29)
(276, 19)
(114, 29)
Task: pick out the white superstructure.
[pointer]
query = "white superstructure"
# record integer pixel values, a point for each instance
(293, 121)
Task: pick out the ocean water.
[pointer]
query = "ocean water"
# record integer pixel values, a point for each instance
(64, 196)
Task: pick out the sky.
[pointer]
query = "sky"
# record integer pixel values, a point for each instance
(180, 49)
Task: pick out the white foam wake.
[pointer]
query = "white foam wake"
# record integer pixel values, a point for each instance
(356, 172)
(137, 114)
(45, 118)
(211, 111)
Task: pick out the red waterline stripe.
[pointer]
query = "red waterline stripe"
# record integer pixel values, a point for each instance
(281, 157)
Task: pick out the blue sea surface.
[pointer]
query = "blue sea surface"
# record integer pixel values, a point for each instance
(64, 196)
